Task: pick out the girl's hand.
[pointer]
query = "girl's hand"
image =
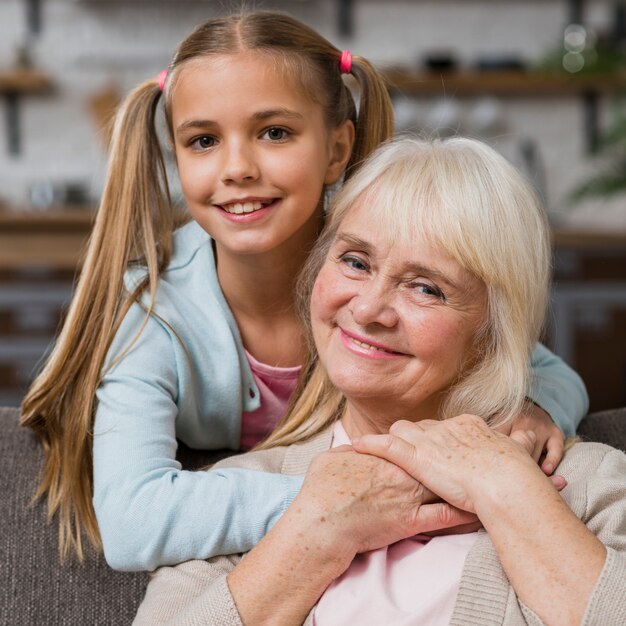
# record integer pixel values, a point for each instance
(460, 459)
(549, 438)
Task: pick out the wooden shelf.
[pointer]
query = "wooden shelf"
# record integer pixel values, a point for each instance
(501, 83)
(13, 85)
(576, 238)
(49, 220)
(25, 82)
(55, 239)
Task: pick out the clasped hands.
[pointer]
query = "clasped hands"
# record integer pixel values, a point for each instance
(420, 478)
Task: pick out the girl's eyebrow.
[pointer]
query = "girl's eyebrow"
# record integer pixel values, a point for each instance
(279, 112)
(259, 115)
(202, 124)
(412, 268)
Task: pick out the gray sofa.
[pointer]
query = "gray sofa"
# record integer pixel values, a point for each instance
(36, 590)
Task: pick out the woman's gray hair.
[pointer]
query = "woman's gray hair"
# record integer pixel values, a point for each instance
(470, 202)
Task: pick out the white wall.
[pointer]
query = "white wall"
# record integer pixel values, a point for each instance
(89, 44)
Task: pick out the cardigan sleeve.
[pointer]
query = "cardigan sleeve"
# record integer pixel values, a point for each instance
(605, 516)
(195, 593)
(558, 390)
(191, 594)
(150, 512)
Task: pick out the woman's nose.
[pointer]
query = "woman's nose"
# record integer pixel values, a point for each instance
(239, 164)
(373, 304)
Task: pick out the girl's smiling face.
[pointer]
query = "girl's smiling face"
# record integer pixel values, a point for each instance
(253, 151)
(394, 321)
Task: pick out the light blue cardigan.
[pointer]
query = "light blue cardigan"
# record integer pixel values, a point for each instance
(187, 377)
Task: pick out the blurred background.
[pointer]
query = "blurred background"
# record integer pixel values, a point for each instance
(543, 81)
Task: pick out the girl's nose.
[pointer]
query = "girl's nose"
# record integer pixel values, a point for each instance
(373, 304)
(239, 165)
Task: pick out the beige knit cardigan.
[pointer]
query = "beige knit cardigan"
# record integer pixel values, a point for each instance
(196, 593)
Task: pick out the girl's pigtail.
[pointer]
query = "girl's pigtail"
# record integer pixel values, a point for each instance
(374, 121)
(133, 225)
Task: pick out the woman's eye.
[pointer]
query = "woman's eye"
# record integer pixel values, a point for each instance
(354, 262)
(428, 290)
(276, 133)
(203, 143)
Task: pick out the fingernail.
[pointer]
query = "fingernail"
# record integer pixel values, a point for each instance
(560, 482)
(356, 440)
(531, 435)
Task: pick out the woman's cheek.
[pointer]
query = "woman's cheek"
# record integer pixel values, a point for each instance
(323, 294)
(317, 309)
(316, 296)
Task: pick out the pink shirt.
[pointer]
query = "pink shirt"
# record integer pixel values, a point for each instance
(412, 582)
(276, 384)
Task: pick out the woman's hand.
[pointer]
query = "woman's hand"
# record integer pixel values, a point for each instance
(348, 503)
(549, 438)
(365, 502)
(460, 459)
(551, 559)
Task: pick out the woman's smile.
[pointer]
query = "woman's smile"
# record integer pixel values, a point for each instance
(367, 347)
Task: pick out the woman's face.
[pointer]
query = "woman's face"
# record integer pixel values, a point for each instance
(394, 322)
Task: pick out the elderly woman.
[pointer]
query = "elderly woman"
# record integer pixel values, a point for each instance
(426, 295)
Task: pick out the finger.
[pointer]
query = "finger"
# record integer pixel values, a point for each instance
(527, 439)
(433, 517)
(461, 529)
(393, 449)
(554, 453)
(558, 481)
(404, 428)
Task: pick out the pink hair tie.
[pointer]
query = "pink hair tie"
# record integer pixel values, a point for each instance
(345, 63)
(161, 78)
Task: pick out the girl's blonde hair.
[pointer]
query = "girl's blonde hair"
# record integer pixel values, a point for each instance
(470, 203)
(134, 225)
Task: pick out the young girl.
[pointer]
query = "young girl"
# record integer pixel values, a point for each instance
(191, 334)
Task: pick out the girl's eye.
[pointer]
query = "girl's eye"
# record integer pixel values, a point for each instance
(276, 133)
(203, 143)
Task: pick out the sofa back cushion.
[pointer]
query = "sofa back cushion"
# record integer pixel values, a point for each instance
(36, 589)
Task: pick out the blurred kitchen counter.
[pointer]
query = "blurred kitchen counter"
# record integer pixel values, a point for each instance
(587, 322)
(56, 238)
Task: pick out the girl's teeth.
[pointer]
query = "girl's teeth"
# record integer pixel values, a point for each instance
(244, 207)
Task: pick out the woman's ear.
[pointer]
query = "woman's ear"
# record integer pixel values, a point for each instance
(340, 146)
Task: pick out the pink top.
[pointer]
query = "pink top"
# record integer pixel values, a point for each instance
(412, 582)
(276, 384)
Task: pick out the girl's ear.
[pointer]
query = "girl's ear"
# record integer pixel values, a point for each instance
(341, 141)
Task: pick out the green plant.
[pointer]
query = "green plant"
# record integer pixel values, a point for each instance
(610, 179)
